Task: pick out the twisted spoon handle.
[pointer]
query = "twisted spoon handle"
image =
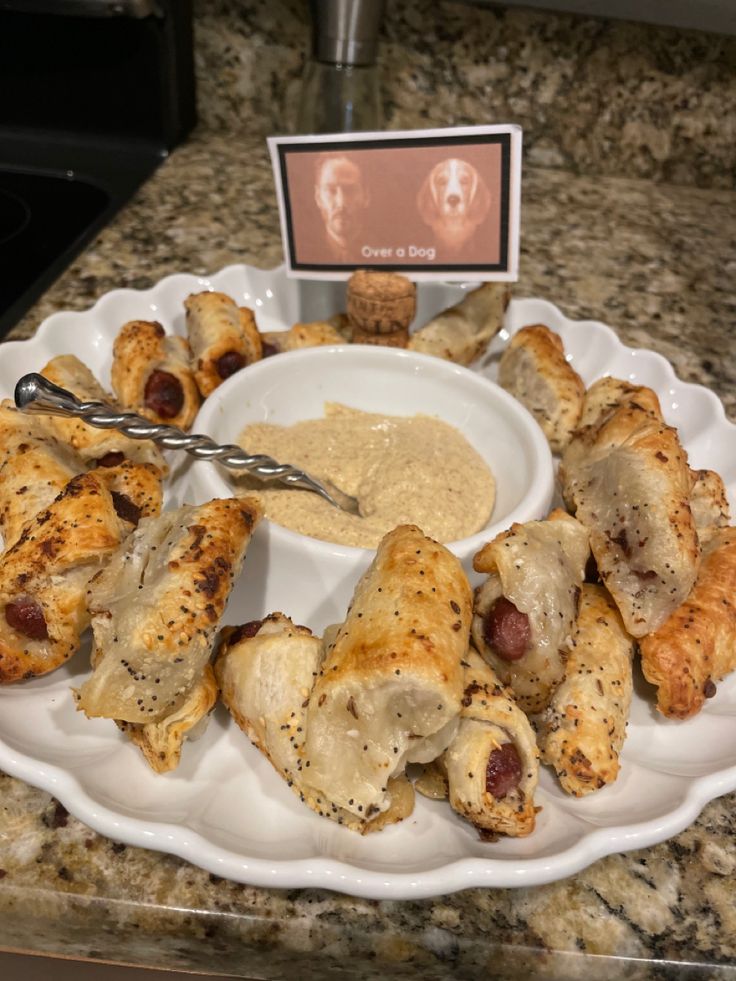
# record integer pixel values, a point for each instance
(36, 394)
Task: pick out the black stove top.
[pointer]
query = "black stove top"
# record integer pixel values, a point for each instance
(95, 94)
(47, 215)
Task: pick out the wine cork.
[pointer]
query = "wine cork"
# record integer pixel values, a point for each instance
(397, 338)
(380, 302)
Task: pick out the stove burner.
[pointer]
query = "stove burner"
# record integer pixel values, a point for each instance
(14, 215)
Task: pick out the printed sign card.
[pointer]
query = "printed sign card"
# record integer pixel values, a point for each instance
(439, 204)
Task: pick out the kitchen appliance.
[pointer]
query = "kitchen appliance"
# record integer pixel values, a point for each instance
(95, 95)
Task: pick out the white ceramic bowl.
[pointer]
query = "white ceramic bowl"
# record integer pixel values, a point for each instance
(320, 576)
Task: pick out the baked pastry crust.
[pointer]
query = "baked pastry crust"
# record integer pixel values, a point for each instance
(96, 447)
(266, 671)
(144, 355)
(161, 742)
(538, 566)
(463, 332)
(709, 504)
(389, 689)
(490, 720)
(627, 477)
(696, 646)
(313, 334)
(44, 577)
(223, 338)
(582, 732)
(34, 469)
(534, 370)
(156, 606)
(136, 490)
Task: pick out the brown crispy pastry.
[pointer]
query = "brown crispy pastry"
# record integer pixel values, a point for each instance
(525, 610)
(380, 302)
(389, 689)
(44, 576)
(627, 477)
(607, 395)
(314, 334)
(156, 606)
(135, 488)
(223, 338)
(534, 370)
(492, 763)
(582, 731)
(696, 646)
(709, 504)
(266, 670)
(151, 374)
(97, 447)
(463, 332)
(34, 469)
(161, 742)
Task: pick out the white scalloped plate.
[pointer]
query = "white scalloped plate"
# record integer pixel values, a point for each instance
(226, 810)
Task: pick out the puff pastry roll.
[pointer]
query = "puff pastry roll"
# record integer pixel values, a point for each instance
(266, 670)
(709, 504)
(135, 488)
(628, 479)
(161, 742)
(390, 687)
(525, 611)
(156, 606)
(606, 395)
(34, 469)
(44, 577)
(151, 374)
(97, 447)
(313, 334)
(534, 370)
(223, 338)
(582, 731)
(492, 764)
(696, 646)
(463, 332)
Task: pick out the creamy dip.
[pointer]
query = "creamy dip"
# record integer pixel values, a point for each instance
(403, 470)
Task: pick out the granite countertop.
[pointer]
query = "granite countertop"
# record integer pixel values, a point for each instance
(656, 262)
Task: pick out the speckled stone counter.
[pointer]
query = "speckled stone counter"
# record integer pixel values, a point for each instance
(657, 263)
(593, 95)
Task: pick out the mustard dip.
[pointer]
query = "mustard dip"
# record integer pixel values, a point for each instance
(403, 470)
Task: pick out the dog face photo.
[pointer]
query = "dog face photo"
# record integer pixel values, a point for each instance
(453, 200)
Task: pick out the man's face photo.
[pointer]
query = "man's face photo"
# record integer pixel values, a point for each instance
(340, 197)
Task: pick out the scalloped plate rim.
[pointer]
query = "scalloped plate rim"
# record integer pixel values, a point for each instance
(326, 872)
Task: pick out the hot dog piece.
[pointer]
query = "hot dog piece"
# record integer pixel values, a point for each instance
(582, 732)
(492, 762)
(507, 630)
(26, 616)
(524, 611)
(151, 374)
(44, 577)
(223, 338)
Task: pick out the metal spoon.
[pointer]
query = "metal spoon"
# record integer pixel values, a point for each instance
(36, 394)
